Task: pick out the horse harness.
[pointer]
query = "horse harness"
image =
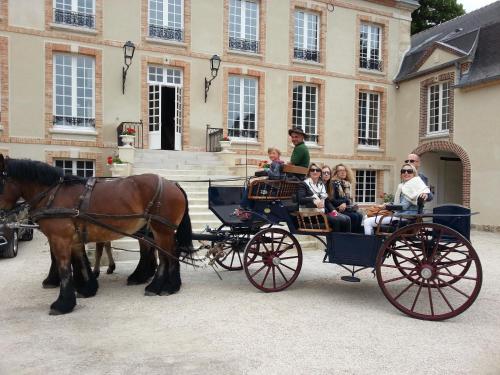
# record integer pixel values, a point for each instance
(81, 211)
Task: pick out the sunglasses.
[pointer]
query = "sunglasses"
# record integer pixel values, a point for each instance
(326, 172)
(315, 170)
(408, 171)
(410, 161)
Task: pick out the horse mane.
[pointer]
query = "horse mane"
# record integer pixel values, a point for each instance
(37, 171)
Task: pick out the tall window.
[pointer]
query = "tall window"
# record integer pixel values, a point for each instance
(166, 19)
(304, 109)
(306, 46)
(74, 90)
(244, 25)
(82, 168)
(242, 107)
(368, 119)
(369, 47)
(438, 109)
(79, 13)
(366, 186)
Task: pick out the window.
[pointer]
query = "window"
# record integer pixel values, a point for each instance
(82, 168)
(369, 47)
(366, 186)
(242, 107)
(244, 25)
(166, 19)
(306, 36)
(304, 110)
(79, 13)
(368, 119)
(74, 91)
(438, 109)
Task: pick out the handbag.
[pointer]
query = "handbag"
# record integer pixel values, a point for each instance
(353, 208)
(377, 211)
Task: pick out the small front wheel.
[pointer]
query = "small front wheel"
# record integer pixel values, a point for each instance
(272, 259)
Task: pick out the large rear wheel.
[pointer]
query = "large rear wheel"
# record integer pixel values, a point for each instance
(429, 271)
(232, 250)
(272, 260)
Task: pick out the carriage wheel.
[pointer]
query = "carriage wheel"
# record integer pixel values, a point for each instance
(429, 271)
(233, 248)
(272, 260)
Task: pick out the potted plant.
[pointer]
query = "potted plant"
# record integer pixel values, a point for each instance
(225, 143)
(128, 137)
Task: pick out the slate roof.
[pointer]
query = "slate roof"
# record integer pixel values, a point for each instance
(473, 37)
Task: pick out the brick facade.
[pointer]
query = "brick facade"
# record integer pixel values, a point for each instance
(383, 23)
(464, 158)
(95, 156)
(4, 11)
(4, 90)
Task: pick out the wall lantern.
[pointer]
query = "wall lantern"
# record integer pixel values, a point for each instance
(128, 54)
(214, 69)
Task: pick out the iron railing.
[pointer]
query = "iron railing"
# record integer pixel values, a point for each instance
(306, 54)
(246, 45)
(139, 133)
(168, 33)
(212, 138)
(73, 121)
(371, 64)
(77, 19)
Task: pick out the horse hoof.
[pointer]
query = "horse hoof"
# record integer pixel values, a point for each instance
(96, 274)
(55, 312)
(110, 269)
(149, 294)
(49, 286)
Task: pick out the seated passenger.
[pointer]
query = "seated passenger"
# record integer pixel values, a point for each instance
(339, 193)
(407, 193)
(312, 197)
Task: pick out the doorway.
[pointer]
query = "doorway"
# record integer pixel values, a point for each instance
(167, 125)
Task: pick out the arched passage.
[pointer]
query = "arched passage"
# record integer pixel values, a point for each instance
(438, 146)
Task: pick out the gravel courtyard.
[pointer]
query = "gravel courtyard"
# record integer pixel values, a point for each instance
(320, 325)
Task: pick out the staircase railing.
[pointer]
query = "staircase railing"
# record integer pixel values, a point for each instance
(139, 132)
(212, 138)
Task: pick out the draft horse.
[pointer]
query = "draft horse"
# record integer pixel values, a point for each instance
(72, 211)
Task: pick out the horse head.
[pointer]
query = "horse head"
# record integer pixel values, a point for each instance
(10, 191)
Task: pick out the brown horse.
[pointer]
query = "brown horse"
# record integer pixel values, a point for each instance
(71, 211)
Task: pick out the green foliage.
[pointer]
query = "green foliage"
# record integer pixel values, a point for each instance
(434, 12)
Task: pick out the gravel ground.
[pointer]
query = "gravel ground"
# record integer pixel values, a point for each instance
(320, 325)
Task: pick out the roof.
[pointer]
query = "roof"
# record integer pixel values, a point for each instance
(473, 37)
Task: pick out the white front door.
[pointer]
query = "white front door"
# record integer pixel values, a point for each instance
(155, 117)
(178, 118)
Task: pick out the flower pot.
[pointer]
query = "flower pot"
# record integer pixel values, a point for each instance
(119, 169)
(127, 140)
(225, 145)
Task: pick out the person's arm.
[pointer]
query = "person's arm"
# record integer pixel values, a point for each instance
(305, 196)
(337, 200)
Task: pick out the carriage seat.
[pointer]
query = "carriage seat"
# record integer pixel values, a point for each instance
(399, 222)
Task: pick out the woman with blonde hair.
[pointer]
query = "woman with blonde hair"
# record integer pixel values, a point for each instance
(407, 193)
(341, 198)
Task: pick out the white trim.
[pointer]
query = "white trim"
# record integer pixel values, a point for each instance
(79, 29)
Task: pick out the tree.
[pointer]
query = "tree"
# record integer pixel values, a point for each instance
(434, 12)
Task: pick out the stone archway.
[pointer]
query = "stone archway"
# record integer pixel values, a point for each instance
(464, 158)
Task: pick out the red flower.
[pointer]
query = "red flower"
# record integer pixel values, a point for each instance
(110, 160)
(129, 131)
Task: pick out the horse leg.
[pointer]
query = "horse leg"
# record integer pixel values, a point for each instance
(84, 279)
(111, 261)
(52, 280)
(165, 280)
(66, 301)
(146, 267)
(98, 255)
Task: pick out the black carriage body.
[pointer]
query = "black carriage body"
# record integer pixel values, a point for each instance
(352, 249)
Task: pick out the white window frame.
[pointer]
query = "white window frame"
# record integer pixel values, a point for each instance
(369, 41)
(74, 169)
(73, 14)
(166, 19)
(74, 91)
(442, 125)
(312, 136)
(362, 198)
(243, 17)
(303, 43)
(74, 6)
(366, 125)
(242, 108)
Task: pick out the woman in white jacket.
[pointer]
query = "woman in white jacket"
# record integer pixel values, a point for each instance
(407, 194)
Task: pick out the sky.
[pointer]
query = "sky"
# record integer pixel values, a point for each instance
(470, 5)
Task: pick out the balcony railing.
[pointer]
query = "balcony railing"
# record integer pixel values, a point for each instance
(167, 33)
(371, 64)
(243, 133)
(244, 45)
(306, 54)
(76, 19)
(368, 141)
(139, 133)
(77, 122)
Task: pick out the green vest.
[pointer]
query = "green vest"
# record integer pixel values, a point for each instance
(300, 155)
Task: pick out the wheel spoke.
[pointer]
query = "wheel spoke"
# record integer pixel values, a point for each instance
(416, 297)
(402, 256)
(430, 299)
(449, 264)
(413, 252)
(289, 257)
(404, 291)
(282, 274)
(232, 258)
(454, 288)
(265, 276)
(400, 278)
(434, 250)
(442, 295)
(274, 278)
(290, 268)
(396, 267)
(456, 276)
(256, 272)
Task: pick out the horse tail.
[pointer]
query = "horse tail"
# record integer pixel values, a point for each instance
(184, 234)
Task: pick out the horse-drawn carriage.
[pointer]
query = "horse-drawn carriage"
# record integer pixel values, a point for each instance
(424, 262)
